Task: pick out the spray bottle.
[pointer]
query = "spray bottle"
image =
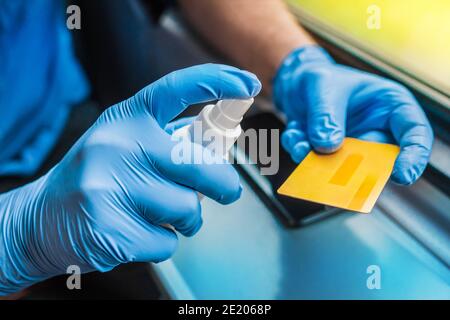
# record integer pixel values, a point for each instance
(222, 120)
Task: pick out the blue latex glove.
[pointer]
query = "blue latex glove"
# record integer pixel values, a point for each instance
(106, 201)
(325, 101)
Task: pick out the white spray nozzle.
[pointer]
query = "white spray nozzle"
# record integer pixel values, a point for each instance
(227, 114)
(223, 120)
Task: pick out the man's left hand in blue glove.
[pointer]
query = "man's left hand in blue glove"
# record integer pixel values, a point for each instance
(108, 201)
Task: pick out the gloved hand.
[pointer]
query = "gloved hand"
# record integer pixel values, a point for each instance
(106, 202)
(325, 101)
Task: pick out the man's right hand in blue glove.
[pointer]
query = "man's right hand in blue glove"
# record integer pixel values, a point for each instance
(325, 102)
(106, 202)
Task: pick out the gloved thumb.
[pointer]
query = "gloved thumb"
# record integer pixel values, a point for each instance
(326, 113)
(170, 95)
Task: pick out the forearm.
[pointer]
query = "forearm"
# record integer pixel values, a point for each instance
(256, 34)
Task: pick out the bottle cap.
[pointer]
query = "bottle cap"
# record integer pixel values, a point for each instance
(227, 114)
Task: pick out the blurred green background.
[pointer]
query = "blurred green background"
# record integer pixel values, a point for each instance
(413, 34)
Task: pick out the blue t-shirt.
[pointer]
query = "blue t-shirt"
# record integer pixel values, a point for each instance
(40, 80)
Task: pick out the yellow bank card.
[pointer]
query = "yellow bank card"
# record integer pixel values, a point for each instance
(351, 178)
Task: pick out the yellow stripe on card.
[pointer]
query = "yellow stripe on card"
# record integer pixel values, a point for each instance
(363, 192)
(346, 171)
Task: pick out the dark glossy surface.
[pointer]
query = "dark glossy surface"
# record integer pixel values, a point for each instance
(243, 252)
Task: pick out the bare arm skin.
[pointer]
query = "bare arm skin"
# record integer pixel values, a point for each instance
(256, 34)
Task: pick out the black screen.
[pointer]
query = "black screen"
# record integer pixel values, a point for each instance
(292, 212)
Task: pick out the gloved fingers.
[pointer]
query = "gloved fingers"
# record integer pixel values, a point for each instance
(377, 136)
(412, 131)
(295, 142)
(170, 95)
(295, 124)
(326, 111)
(300, 151)
(173, 126)
(198, 168)
(168, 203)
(151, 243)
